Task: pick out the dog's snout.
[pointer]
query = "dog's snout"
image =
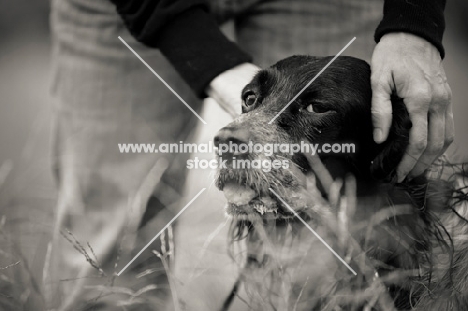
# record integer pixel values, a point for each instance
(232, 136)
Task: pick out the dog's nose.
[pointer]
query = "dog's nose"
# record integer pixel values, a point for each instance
(232, 136)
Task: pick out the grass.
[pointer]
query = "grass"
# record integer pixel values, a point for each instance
(283, 259)
(19, 290)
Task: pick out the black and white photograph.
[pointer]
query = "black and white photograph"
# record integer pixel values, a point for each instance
(233, 155)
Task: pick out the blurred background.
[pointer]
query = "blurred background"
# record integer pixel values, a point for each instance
(27, 192)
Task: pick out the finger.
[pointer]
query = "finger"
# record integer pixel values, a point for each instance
(381, 108)
(417, 139)
(438, 139)
(449, 125)
(435, 143)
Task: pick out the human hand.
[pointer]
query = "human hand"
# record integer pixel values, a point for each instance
(412, 67)
(227, 88)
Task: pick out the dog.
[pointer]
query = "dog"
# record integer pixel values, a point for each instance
(406, 242)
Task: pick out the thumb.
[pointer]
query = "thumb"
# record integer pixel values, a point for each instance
(381, 110)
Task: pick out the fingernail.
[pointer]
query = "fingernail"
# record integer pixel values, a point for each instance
(378, 135)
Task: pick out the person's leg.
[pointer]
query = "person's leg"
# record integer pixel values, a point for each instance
(104, 96)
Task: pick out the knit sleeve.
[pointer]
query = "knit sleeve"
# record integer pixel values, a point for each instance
(186, 34)
(424, 18)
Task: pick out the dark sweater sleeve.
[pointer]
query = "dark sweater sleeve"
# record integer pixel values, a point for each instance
(186, 34)
(424, 18)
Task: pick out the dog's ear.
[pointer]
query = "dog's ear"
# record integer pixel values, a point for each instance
(390, 153)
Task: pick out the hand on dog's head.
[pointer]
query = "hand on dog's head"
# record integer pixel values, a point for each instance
(340, 99)
(334, 108)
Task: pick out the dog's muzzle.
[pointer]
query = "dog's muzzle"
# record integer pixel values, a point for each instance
(247, 189)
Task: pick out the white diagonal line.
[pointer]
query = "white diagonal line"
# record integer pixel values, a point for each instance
(157, 235)
(313, 231)
(167, 85)
(311, 81)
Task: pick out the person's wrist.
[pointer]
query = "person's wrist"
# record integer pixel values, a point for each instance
(226, 88)
(408, 41)
(241, 72)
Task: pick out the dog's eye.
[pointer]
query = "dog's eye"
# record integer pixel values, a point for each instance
(250, 100)
(317, 108)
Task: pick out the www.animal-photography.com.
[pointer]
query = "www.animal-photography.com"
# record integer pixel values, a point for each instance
(233, 155)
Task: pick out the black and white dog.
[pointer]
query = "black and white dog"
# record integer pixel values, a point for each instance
(407, 242)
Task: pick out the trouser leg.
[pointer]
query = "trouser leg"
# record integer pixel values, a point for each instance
(103, 95)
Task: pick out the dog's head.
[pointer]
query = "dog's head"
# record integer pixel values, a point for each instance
(335, 108)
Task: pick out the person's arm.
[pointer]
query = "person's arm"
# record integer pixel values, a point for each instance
(407, 60)
(186, 34)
